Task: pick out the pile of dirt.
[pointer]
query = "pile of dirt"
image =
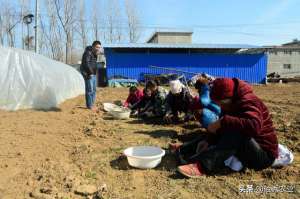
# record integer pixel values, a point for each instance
(71, 152)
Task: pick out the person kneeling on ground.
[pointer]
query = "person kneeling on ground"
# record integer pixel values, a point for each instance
(245, 131)
(143, 104)
(156, 108)
(208, 113)
(179, 100)
(135, 95)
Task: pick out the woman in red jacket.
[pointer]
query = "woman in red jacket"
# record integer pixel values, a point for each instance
(245, 130)
(135, 95)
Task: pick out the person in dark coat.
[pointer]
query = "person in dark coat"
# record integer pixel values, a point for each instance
(245, 130)
(156, 106)
(179, 100)
(88, 69)
(143, 104)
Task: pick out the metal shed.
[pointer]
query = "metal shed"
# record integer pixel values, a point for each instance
(133, 60)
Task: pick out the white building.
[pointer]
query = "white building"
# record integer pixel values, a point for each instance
(284, 59)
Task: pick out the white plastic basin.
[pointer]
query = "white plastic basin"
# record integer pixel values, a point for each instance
(111, 107)
(144, 157)
(121, 115)
(117, 112)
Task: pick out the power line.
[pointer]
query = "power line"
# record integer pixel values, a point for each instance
(186, 26)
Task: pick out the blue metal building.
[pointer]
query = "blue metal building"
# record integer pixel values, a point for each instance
(133, 60)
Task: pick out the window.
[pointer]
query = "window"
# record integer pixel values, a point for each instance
(287, 66)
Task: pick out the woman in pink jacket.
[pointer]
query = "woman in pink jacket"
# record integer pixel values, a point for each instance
(135, 95)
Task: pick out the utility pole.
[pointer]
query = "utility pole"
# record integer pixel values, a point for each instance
(28, 20)
(28, 38)
(36, 26)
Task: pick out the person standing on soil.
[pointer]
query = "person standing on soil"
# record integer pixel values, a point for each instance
(245, 130)
(88, 69)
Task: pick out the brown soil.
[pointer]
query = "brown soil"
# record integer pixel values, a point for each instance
(70, 152)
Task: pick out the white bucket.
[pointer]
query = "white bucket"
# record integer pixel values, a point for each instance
(144, 157)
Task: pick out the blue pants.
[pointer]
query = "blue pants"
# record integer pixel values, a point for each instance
(90, 91)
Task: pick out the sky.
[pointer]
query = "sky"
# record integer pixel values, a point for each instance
(255, 22)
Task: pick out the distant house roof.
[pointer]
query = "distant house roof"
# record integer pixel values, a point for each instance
(293, 43)
(283, 47)
(182, 46)
(273, 49)
(155, 33)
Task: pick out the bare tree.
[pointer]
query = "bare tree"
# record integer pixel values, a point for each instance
(65, 24)
(110, 24)
(67, 19)
(118, 22)
(133, 21)
(52, 33)
(3, 22)
(43, 47)
(11, 19)
(96, 19)
(11, 23)
(82, 24)
(113, 26)
(2, 32)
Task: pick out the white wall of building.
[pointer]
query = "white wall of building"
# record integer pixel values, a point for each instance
(284, 62)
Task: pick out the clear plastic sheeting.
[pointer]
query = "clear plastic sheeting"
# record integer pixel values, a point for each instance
(29, 80)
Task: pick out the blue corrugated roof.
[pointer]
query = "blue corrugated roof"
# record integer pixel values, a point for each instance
(183, 46)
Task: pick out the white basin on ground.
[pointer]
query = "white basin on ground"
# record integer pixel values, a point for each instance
(121, 115)
(111, 107)
(144, 157)
(117, 112)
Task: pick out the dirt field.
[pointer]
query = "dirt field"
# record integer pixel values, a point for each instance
(70, 153)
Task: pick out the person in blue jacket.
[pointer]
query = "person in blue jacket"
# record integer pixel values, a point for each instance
(210, 110)
(209, 113)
